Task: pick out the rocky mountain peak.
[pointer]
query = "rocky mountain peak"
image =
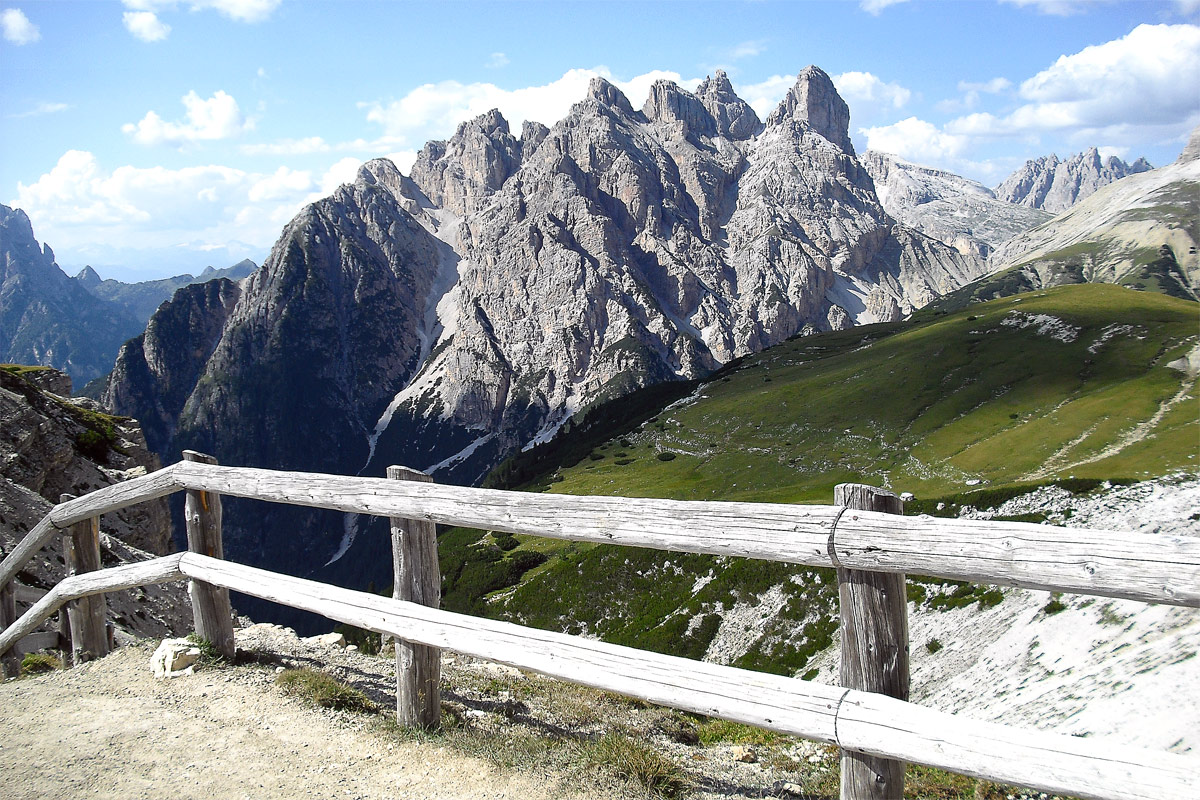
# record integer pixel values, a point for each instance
(815, 102)
(606, 94)
(460, 175)
(1055, 185)
(1191, 150)
(88, 277)
(490, 123)
(532, 135)
(669, 103)
(734, 117)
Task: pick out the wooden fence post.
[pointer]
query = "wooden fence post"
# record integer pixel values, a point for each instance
(416, 579)
(89, 631)
(874, 626)
(10, 664)
(212, 613)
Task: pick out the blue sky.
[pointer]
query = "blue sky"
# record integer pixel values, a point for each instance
(153, 137)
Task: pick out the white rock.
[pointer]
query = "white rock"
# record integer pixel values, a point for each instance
(327, 640)
(174, 657)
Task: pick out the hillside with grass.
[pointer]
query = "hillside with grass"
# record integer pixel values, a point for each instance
(1079, 386)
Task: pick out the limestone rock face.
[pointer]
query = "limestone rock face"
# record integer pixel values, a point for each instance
(461, 175)
(815, 102)
(734, 117)
(1191, 151)
(51, 446)
(1055, 186)
(947, 207)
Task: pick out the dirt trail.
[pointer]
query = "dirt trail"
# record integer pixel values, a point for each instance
(111, 730)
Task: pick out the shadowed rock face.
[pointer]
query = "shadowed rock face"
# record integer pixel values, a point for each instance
(444, 319)
(1055, 186)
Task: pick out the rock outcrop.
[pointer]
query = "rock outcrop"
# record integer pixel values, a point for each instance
(948, 207)
(1055, 186)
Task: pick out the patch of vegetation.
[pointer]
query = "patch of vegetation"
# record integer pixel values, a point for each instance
(324, 690)
(210, 656)
(37, 663)
(666, 456)
(933, 645)
(638, 762)
(712, 732)
(368, 642)
(1054, 606)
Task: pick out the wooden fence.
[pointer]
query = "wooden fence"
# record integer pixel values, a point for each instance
(868, 717)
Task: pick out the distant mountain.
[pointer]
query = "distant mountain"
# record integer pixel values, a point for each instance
(948, 207)
(47, 318)
(1055, 186)
(1141, 232)
(448, 318)
(143, 298)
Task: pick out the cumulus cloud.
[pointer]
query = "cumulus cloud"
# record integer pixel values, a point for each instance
(1144, 80)
(218, 117)
(17, 27)
(994, 86)
(916, 140)
(434, 110)
(287, 147)
(874, 7)
(237, 10)
(146, 25)
(867, 95)
(765, 95)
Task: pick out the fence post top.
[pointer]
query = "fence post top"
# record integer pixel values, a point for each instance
(407, 473)
(203, 458)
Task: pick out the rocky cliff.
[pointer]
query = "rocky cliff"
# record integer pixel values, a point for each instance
(143, 298)
(948, 207)
(443, 319)
(1055, 186)
(47, 318)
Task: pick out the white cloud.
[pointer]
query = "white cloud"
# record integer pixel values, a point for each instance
(1144, 81)
(41, 109)
(867, 95)
(434, 110)
(287, 147)
(874, 7)
(1058, 8)
(237, 10)
(994, 86)
(916, 140)
(496, 61)
(764, 96)
(17, 27)
(78, 206)
(747, 49)
(215, 118)
(145, 25)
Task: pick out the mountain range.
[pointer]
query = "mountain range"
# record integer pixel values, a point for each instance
(1055, 186)
(449, 317)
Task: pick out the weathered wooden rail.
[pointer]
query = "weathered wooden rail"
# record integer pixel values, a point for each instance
(871, 550)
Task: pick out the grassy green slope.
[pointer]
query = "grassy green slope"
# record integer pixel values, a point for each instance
(980, 395)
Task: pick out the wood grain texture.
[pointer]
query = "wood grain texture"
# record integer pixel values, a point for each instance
(212, 611)
(158, 570)
(417, 579)
(874, 658)
(87, 615)
(117, 496)
(1146, 567)
(859, 721)
(10, 662)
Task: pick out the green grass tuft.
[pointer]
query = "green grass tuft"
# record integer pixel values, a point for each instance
(36, 663)
(324, 690)
(636, 761)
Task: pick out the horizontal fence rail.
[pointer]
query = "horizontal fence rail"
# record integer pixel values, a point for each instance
(853, 720)
(1146, 567)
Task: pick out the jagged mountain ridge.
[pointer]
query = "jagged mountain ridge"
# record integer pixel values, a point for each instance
(46, 317)
(446, 318)
(948, 207)
(142, 299)
(1053, 185)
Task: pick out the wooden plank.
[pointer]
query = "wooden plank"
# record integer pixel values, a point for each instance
(158, 570)
(38, 537)
(10, 662)
(87, 615)
(417, 579)
(1146, 567)
(119, 495)
(874, 628)
(851, 719)
(1090, 767)
(212, 612)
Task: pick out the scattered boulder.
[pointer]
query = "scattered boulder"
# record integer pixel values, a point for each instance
(334, 639)
(174, 657)
(745, 754)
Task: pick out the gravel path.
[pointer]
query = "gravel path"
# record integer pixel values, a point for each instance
(111, 730)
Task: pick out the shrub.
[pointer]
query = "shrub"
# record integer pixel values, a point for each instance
(933, 645)
(505, 541)
(1054, 606)
(324, 690)
(36, 663)
(92, 445)
(666, 456)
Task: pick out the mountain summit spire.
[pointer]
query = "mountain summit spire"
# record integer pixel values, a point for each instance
(815, 101)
